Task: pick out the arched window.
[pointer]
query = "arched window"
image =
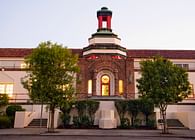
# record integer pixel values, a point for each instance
(105, 85)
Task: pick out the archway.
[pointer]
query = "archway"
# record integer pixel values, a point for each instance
(105, 85)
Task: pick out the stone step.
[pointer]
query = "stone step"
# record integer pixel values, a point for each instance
(36, 123)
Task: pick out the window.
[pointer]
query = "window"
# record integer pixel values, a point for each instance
(105, 86)
(6, 88)
(185, 66)
(120, 87)
(23, 66)
(89, 86)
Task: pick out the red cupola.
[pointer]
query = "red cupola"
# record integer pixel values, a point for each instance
(104, 19)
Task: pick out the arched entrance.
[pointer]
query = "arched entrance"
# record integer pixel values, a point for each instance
(105, 85)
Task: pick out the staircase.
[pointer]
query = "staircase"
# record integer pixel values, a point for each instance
(175, 124)
(36, 123)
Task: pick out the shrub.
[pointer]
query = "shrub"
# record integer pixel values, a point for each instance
(5, 122)
(151, 124)
(76, 121)
(133, 109)
(65, 119)
(122, 107)
(86, 112)
(92, 107)
(85, 121)
(3, 99)
(125, 123)
(11, 110)
(81, 121)
(137, 123)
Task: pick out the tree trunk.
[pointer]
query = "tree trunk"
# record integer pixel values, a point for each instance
(165, 128)
(52, 111)
(147, 120)
(132, 121)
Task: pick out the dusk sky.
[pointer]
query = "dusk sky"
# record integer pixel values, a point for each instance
(141, 24)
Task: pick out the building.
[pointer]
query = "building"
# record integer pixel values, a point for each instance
(108, 71)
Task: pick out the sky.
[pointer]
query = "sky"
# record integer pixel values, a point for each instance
(141, 24)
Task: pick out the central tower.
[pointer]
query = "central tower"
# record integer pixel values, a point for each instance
(104, 64)
(104, 41)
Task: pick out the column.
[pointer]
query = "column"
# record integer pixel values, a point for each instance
(99, 22)
(116, 82)
(94, 83)
(109, 22)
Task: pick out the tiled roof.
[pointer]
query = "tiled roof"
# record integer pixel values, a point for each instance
(14, 52)
(174, 54)
(22, 52)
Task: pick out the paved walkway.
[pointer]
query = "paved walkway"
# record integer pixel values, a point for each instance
(178, 133)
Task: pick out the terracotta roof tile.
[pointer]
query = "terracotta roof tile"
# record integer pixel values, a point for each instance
(174, 54)
(22, 52)
(15, 52)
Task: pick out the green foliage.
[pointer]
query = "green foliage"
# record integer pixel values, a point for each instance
(65, 119)
(81, 121)
(151, 123)
(76, 121)
(133, 109)
(147, 108)
(163, 82)
(5, 122)
(86, 112)
(125, 123)
(92, 107)
(3, 99)
(84, 121)
(137, 123)
(51, 75)
(122, 107)
(11, 110)
(81, 107)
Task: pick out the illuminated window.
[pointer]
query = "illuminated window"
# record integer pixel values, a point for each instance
(120, 87)
(105, 89)
(89, 86)
(23, 66)
(192, 91)
(6, 89)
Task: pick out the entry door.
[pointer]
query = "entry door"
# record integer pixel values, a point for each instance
(105, 85)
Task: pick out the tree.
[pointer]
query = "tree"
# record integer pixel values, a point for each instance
(164, 83)
(51, 76)
(3, 100)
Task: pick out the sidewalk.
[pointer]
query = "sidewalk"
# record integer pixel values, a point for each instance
(99, 132)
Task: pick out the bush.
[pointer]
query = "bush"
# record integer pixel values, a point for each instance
(76, 121)
(151, 124)
(65, 119)
(5, 122)
(11, 110)
(81, 122)
(85, 121)
(125, 123)
(137, 123)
